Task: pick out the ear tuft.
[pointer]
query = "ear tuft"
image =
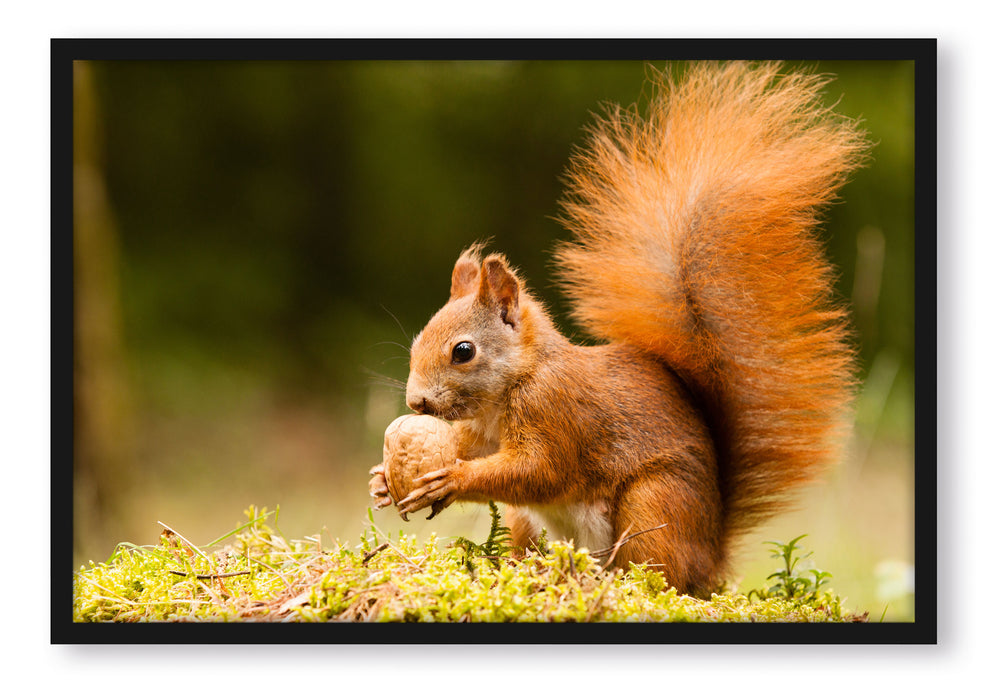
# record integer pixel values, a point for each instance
(464, 279)
(500, 286)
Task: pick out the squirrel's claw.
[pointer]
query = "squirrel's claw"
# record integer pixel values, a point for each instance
(432, 476)
(437, 490)
(378, 488)
(379, 503)
(439, 506)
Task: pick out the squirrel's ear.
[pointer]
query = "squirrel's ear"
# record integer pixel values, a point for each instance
(501, 287)
(464, 280)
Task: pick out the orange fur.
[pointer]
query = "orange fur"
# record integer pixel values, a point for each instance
(705, 209)
(726, 373)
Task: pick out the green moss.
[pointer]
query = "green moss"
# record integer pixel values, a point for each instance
(260, 575)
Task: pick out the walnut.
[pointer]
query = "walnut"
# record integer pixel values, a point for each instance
(414, 445)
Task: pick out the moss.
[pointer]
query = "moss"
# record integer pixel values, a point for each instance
(260, 575)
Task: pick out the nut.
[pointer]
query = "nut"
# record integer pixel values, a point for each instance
(414, 445)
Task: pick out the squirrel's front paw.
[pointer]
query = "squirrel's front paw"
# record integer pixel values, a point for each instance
(378, 488)
(437, 489)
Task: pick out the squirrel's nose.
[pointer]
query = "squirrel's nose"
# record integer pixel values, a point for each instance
(420, 404)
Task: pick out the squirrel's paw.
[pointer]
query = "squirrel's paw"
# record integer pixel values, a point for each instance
(438, 490)
(378, 488)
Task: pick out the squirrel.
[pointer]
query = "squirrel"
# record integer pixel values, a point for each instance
(726, 373)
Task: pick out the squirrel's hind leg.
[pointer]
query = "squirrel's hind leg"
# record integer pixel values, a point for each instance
(685, 548)
(525, 530)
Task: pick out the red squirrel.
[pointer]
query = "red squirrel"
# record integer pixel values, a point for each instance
(725, 374)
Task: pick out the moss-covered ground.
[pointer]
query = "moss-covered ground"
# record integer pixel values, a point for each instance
(255, 573)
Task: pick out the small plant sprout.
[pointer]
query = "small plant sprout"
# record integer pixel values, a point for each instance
(792, 583)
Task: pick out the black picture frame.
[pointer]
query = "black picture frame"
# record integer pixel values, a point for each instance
(64, 51)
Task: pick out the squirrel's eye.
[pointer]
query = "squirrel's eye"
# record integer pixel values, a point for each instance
(462, 352)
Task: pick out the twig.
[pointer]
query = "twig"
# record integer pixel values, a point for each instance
(270, 568)
(408, 560)
(621, 541)
(615, 547)
(210, 576)
(197, 549)
(373, 552)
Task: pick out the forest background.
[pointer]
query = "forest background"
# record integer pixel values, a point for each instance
(255, 241)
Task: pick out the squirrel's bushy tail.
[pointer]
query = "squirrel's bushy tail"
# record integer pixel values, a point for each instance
(694, 238)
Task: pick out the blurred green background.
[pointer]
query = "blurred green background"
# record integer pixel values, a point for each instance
(255, 242)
